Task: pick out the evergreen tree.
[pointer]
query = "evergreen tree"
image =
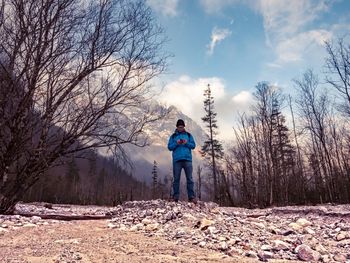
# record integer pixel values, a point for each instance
(212, 148)
(154, 179)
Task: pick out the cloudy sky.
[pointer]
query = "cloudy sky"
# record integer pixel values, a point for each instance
(234, 44)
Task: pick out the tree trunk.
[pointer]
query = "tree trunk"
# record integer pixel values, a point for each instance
(7, 203)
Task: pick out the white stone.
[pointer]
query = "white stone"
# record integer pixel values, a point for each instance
(259, 225)
(280, 245)
(112, 226)
(202, 243)
(303, 222)
(266, 248)
(152, 227)
(205, 223)
(309, 231)
(29, 225)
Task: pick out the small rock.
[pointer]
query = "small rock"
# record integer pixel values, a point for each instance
(259, 225)
(305, 253)
(265, 255)
(309, 231)
(223, 246)
(152, 227)
(170, 215)
(325, 258)
(202, 243)
(35, 218)
(212, 230)
(29, 225)
(341, 236)
(339, 258)
(147, 221)
(251, 254)
(234, 241)
(222, 238)
(180, 233)
(295, 226)
(133, 228)
(205, 223)
(288, 232)
(4, 226)
(321, 249)
(280, 245)
(112, 226)
(274, 230)
(266, 248)
(303, 222)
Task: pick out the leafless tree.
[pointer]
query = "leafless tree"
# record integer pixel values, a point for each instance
(314, 110)
(338, 65)
(74, 76)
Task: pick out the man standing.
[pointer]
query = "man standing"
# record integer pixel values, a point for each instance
(181, 143)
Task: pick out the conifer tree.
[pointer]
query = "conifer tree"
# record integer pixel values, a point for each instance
(154, 179)
(212, 148)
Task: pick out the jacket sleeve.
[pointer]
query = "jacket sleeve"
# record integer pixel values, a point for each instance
(172, 144)
(191, 144)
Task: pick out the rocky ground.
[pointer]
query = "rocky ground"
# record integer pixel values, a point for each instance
(161, 231)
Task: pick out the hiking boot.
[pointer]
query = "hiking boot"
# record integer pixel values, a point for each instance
(193, 200)
(174, 200)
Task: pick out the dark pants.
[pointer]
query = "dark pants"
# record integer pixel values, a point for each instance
(177, 167)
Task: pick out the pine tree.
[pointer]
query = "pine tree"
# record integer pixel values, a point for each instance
(212, 148)
(154, 179)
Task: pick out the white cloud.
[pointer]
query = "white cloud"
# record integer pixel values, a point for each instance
(284, 23)
(165, 7)
(296, 48)
(281, 18)
(214, 6)
(244, 98)
(186, 94)
(217, 35)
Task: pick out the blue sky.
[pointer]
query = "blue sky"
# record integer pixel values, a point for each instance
(234, 44)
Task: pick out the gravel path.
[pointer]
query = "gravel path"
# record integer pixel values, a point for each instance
(161, 231)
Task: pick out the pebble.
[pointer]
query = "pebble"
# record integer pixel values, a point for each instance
(339, 258)
(280, 245)
(305, 253)
(341, 236)
(303, 222)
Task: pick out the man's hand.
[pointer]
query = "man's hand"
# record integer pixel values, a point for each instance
(181, 141)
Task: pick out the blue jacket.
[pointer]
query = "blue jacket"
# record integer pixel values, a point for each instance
(181, 151)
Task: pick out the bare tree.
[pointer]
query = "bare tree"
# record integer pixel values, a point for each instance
(338, 65)
(74, 75)
(314, 110)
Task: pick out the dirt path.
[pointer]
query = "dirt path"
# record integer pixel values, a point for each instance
(92, 241)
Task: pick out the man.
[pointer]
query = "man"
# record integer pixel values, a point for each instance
(181, 143)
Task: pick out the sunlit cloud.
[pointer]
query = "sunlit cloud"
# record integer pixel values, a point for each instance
(165, 7)
(217, 35)
(186, 94)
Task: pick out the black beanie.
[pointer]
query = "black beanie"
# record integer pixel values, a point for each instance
(180, 122)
